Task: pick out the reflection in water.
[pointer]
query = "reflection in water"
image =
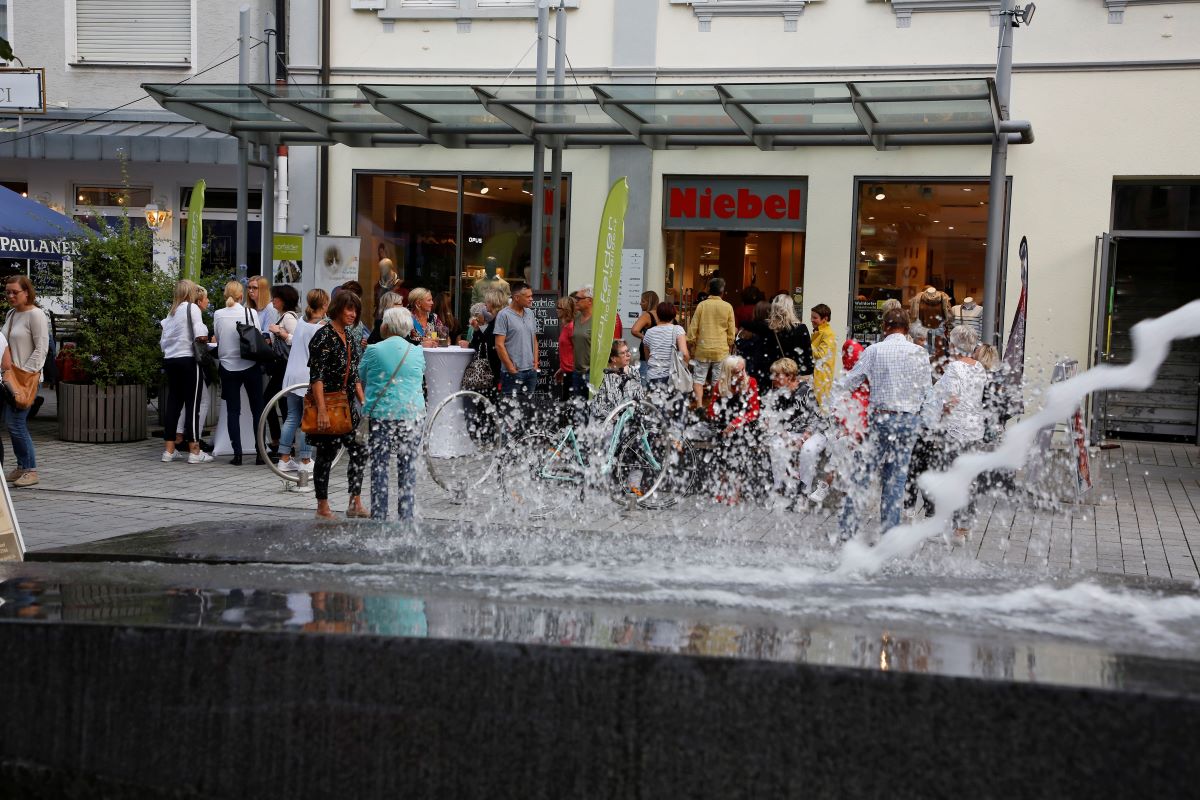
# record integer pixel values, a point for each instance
(682, 630)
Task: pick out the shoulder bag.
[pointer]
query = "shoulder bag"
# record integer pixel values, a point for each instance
(20, 386)
(202, 353)
(681, 376)
(281, 348)
(364, 425)
(337, 406)
(253, 344)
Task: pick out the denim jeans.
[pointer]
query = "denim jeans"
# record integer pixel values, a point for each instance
(291, 429)
(18, 431)
(891, 436)
(520, 385)
(400, 438)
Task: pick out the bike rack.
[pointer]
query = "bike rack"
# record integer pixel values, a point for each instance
(292, 481)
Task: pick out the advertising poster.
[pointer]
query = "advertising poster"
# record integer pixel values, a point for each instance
(336, 260)
(632, 283)
(287, 255)
(12, 546)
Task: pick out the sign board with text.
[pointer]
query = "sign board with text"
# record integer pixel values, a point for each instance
(23, 91)
(545, 311)
(751, 203)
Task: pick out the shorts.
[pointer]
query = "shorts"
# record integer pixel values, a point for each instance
(702, 371)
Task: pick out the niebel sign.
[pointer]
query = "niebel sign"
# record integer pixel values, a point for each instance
(734, 204)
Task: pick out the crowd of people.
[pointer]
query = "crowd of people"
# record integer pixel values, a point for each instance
(754, 381)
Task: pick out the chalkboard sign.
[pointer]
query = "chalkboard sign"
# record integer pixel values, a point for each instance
(545, 310)
(866, 321)
(47, 277)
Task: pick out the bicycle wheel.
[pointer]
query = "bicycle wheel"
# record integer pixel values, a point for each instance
(640, 449)
(681, 477)
(542, 475)
(279, 401)
(462, 439)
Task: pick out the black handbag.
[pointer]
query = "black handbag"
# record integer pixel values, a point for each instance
(202, 353)
(281, 348)
(253, 344)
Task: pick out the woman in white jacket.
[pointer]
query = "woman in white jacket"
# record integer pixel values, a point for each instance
(237, 373)
(185, 385)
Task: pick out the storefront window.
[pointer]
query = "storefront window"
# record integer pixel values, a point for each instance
(1156, 207)
(914, 235)
(446, 232)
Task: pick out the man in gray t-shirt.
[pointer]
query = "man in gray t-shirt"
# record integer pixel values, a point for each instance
(516, 344)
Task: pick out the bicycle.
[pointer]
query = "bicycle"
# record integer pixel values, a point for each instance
(642, 462)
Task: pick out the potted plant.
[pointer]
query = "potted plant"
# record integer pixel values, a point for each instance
(120, 297)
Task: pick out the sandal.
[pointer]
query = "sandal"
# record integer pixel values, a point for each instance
(357, 513)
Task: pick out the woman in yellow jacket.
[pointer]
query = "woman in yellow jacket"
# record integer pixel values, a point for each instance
(824, 350)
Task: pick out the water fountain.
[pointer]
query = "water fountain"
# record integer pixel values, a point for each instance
(497, 658)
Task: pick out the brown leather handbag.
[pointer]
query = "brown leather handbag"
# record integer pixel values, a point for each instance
(22, 385)
(337, 406)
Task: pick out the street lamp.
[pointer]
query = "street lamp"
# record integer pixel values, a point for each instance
(1023, 16)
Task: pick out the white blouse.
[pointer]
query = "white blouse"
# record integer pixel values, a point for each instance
(176, 338)
(963, 383)
(229, 346)
(297, 363)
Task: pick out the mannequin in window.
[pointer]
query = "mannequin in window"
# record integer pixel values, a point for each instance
(932, 309)
(969, 314)
(489, 281)
(388, 281)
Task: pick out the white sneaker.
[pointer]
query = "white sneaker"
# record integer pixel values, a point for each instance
(199, 458)
(307, 466)
(170, 455)
(820, 493)
(288, 466)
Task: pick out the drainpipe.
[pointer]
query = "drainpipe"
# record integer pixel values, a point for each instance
(243, 165)
(560, 54)
(997, 186)
(323, 155)
(281, 189)
(537, 238)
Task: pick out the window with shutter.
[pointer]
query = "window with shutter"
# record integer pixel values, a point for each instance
(157, 32)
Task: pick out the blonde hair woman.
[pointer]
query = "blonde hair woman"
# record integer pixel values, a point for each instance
(258, 292)
(734, 409)
(291, 438)
(386, 300)
(426, 326)
(237, 373)
(183, 326)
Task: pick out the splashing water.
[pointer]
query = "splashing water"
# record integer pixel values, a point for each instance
(950, 490)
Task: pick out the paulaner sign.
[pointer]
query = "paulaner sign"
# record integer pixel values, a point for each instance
(735, 204)
(17, 247)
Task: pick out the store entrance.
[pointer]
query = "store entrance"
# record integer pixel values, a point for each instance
(770, 262)
(1146, 280)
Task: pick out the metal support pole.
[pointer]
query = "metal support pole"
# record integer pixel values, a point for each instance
(537, 234)
(997, 186)
(243, 166)
(267, 154)
(560, 69)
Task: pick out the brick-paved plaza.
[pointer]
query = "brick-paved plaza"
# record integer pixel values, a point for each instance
(1139, 519)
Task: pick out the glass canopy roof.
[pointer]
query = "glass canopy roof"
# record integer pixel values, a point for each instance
(885, 114)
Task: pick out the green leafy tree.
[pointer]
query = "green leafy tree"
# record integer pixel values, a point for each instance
(120, 297)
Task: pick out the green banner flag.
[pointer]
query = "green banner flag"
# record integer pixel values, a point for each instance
(195, 234)
(608, 278)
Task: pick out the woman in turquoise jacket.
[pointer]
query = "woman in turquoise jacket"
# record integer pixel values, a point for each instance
(393, 375)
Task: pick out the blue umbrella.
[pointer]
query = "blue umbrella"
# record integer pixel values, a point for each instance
(30, 230)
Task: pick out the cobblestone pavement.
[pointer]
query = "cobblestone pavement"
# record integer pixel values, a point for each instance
(1139, 519)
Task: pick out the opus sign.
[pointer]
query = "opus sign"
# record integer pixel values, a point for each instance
(734, 204)
(23, 91)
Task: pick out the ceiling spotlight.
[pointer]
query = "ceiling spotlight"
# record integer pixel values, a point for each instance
(483, 188)
(951, 227)
(527, 186)
(967, 189)
(870, 218)
(423, 185)
(937, 220)
(879, 193)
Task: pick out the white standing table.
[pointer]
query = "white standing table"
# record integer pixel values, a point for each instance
(444, 368)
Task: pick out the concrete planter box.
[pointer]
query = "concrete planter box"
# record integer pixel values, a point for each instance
(88, 413)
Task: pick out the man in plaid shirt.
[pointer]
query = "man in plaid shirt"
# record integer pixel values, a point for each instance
(900, 377)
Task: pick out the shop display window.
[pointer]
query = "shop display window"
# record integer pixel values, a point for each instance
(911, 235)
(445, 232)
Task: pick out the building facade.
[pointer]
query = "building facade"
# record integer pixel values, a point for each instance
(101, 146)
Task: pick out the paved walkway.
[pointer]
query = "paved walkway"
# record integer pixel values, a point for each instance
(1141, 517)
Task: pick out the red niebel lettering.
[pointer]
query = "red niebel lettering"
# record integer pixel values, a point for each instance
(682, 203)
(749, 205)
(724, 206)
(793, 204)
(775, 206)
